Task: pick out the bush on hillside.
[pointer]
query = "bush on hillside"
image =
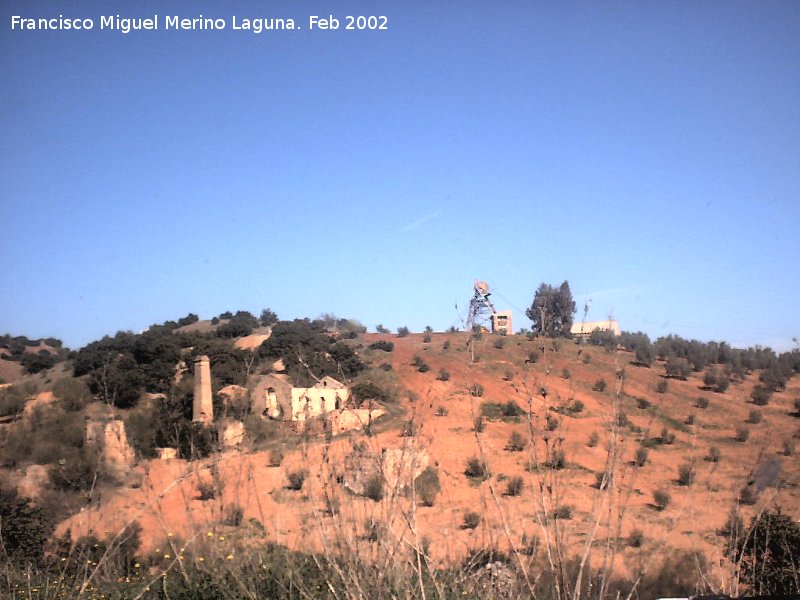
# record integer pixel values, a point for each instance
(427, 486)
(471, 520)
(516, 442)
(476, 469)
(382, 345)
(514, 486)
(12, 401)
(661, 499)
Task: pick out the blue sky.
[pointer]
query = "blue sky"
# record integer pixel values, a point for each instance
(647, 152)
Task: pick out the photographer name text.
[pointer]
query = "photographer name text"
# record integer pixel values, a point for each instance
(127, 25)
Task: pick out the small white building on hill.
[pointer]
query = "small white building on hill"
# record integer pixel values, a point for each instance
(586, 329)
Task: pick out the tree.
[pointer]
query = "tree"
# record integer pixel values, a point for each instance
(552, 310)
(678, 368)
(305, 350)
(188, 320)
(39, 361)
(769, 555)
(268, 317)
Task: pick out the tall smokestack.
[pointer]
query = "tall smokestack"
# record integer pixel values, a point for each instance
(203, 407)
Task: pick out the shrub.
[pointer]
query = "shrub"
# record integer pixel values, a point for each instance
(678, 368)
(593, 439)
(478, 425)
(367, 390)
(748, 495)
(373, 488)
(797, 406)
(12, 401)
(512, 409)
(556, 459)
(233, 516)
(599, 385)
(551, 423)
(76, 473)
(25, 529)
(533, 356)
(662, 386)
(754, 418)
(381, 329)
(499, 343)
(644, 355)
(641, 456)
(761, 395)
(636, 538)
(296, 479)
(444, 375)
(471, 520)
(514, 486)
(661, 498)
(586, 358)
(733, 527)
(427, 486)
(772, 544)
(446, 345)
(716, 379)
(516, 442)
(565, 373)
(601, 481)
(741, 435)
(206, 491)
(476, 469)
(563, 512)
(509, 375)
(686, 474)
(423, 368)
(441, 411)
(689, 419)
(667, 437)
(576, 407)
(260, 431)
(702, 402)
(714, 454)
(403, 331)
(73, 393)
(382, 345)
(642, 404)
(476, 390)
(427, 338)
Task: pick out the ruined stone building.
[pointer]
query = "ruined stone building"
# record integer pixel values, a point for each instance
(274, 396)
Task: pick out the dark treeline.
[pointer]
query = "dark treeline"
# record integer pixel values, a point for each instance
(705, 356)
(20, 349)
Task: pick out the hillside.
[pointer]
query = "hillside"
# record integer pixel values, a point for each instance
(569, 432)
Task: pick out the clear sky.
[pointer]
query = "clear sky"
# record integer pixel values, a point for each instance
(648, 152)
